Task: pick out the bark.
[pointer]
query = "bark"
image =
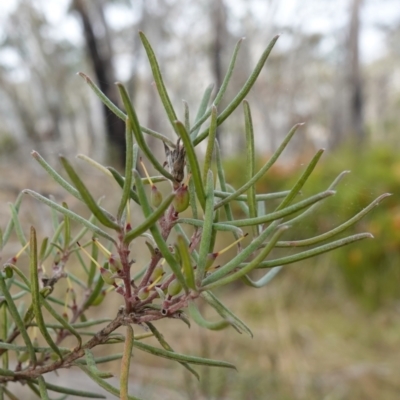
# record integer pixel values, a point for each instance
(101, 57)
(348, 118)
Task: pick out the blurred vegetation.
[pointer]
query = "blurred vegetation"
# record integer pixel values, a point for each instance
(370, 270)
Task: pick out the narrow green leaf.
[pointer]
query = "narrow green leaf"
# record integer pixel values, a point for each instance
(55, 220)
(225, 313)
(242, 256)
(91, 361)
(78, 325)
(9, 394)
(94, 164)
(93, 266)
(262, 171)
(87, 197)
(35, 292)
(300, 183)
(313, 208)
(214, 232)
(128, 170)
(250, 163)
(206, 235)
(119, 113)
(187, 115)
(166, 346)
(222, 183)
(73, 392)
(137, 132)
(43, 249)
(37, 349)
(4, 325)
(262, 281)
(162, 91)
(201, 321)
(42, 388)
(70, 214)
(221, 90)
(219, 226)
(259, 197)
(162, 245)
(186, 263)
(126, 362)
(335, 231)
(65, 324)
(10, 225)
(17, 226)
(201, 112)
(313, 252)
(67, 229)
(252, 264)
(56, 176)
(100, 360)
(210, 144)
(282, 212)
(192, 161)
(228, 74)
(158, 136)
(120, 180)
(192, 197)
(181, 357)
(84, 230)
(102, 383)
(17, 319)
(151, 220)
(243, 92)
(182, 233)
(112, 107)
(95, 292)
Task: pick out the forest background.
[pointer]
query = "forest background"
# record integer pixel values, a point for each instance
(325, 329)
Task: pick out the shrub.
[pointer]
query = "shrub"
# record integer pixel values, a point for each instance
(181, 266)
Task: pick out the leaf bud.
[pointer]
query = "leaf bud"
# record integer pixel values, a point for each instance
(157, 272)
(23, 357)
(174, 288)
(8, 271)
(143, 294)
(181, 199)
(115, 263)
(155, 196)
(107, 276)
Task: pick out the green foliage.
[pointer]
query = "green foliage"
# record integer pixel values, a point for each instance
(177, 272)
(370, 270)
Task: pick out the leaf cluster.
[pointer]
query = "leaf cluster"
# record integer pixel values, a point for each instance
(177, 273)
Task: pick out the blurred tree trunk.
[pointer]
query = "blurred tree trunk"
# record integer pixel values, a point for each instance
(219, 31)
(355, 79)
(348, 119)
(101, 56)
